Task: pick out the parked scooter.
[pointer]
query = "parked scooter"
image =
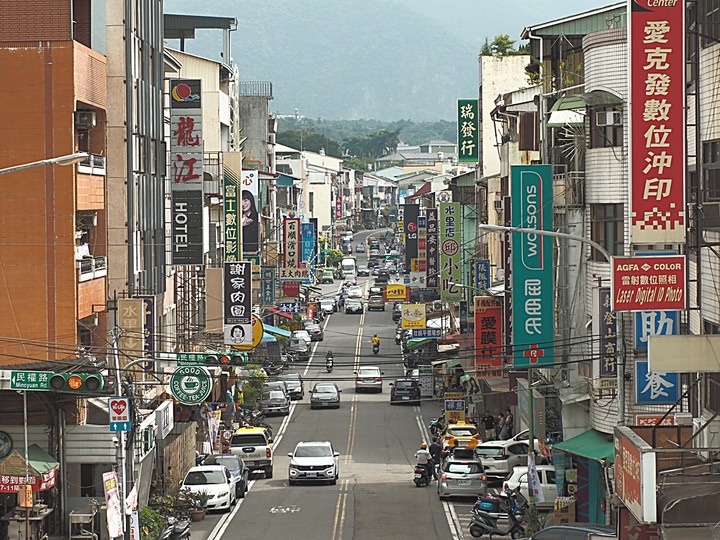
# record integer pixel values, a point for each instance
(422, 476)
(175, 529)
(485, 522)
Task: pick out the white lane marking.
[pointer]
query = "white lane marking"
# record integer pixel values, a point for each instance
(351, 432)
(453, 522)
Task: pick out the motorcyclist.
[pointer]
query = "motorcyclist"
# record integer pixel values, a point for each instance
(376, 341)
(424, 459)
(329, 358)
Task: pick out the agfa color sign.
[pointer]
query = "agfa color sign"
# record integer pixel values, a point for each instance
(532, 269)
(648, 283)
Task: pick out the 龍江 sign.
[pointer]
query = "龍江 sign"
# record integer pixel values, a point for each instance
(648, 283)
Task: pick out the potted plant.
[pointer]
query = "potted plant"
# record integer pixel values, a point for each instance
(198, 505)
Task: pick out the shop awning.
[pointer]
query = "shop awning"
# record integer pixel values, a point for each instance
(592, 445)
(566, 118)
(267, 337)
(43, 470)
(449, 363)
(596, 98)
(269, 328)
(414, 343)
(276, 311)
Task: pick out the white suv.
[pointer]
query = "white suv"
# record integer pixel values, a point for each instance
(500, 457)
(313, 461)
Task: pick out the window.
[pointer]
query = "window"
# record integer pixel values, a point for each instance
(710, 23)
(606, 228)
(711, 169)
(606, 127)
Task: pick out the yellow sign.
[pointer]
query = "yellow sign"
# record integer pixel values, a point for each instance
(26, 496)
(257, 333)
(454, 417)
(396, 291)
(413, 316)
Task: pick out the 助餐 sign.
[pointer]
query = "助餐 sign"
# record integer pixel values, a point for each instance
(648, 283)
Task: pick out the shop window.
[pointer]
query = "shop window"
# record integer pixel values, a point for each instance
(607, 229)
(606, 127)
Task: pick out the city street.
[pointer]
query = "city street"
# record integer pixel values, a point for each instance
(375, 496)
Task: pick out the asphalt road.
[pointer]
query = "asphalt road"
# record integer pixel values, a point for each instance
(375, 497)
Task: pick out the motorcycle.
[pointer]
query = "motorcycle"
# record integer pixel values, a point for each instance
(487, 511)
(437, 425)
(376, 349)
(174, 529)
(329, 364)
(398, 336)
(422, 476)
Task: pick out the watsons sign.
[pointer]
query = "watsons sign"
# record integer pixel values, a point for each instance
(531, 208)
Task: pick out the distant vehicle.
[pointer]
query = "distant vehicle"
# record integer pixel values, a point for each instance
(501, 457)
(295, 385)
(355, 292)
(546, 474)
(405, 390)
(375, 291)
(304, 334)
(328, 305)
(353, 305)
(397, 312)
(363, 271)
(216, 481)
(299, 348)
(325, 394)
(327, 276)
(254, 446)
(314, 461)
(368, 378)
(360, 248)
(461, 477)
(237, 468)
(374, 252)
(316, 332)
(376, 302)
(349, 264)
(274, 402)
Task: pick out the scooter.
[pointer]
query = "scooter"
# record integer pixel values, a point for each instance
(329, 364)
(376, 349)
(174, 529)
(437, 425)
(398, 336)
(485, 522)
(422, 476)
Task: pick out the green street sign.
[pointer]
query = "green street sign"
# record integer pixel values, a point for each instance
(190, 385)
(191, 359)
(212, 359)
(30, 380)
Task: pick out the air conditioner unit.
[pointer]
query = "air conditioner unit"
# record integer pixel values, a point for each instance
(85, 119)
(608, 118)
(88, 220)
(498, 205)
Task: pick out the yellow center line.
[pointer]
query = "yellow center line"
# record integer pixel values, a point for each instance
(339, 521)
(351, 431)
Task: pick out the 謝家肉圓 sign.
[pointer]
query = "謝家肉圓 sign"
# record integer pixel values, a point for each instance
(648, 283)
(191, 385)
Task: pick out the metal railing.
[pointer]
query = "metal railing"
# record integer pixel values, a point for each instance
(93, 164)
(91, 268)
(255, 88)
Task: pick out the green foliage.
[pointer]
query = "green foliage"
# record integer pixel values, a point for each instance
(534, 520)
(502, 45)
(150, 523)
(359, 164)
(378, 144)
(309, 139)
(334, 257)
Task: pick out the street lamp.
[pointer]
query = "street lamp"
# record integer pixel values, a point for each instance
(60, 160)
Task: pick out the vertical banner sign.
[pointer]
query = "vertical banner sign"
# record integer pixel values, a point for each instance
(422, 238)
(315, 248)
(131, 318)
(655, 387)
(532, 269)
(608, 339)
(250, 217)
(411, 213)
(432, 267)
(657, 116)
(488, 336)
(450, 238)
(267, 275)
(231, 203)
(238, 303)
(482, 274)
(307, 233)
(148, 337)
(113, 505)
(654, 323)
(338, 207)
(186, 170)
(291, 228)
(468, 124)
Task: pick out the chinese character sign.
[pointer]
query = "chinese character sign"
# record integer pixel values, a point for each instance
(267, 276)
(608, 338)
(657, 114)
(238, 303)
(432, 277)
(292, 242)
(488, 335)
(654, 323)
(648, 283)
(307, 233)
(482, 274)
(450, 239)
(468, 121)
(249, 213)
(532, 268)
(131, 318)
(186, 138)
(231, 202)
(655, 387)
(338, 207)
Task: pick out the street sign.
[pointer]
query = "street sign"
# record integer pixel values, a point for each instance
(454, 411)
(119, 411)
(190, 385)
(427, 333)
(648, 283)
(30, 380)
(289, 307)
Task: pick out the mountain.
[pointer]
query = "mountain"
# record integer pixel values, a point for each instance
(375, 59)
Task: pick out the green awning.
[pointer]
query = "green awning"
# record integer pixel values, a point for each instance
(588, 99)
(417, 342)
(592, 444)
(283, 180)
(40, 461)
(449, 363)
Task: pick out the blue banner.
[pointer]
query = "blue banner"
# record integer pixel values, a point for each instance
(482, 276)
(654, 323)
(267, 276)
(307, 233)
(655, 387)
(532, 268)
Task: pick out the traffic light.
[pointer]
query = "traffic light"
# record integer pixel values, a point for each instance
(77, 383)
(226, 359)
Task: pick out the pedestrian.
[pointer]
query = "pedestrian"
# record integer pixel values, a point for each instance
(435, 450)
(489, 423)
(501, 429)
(509, 424)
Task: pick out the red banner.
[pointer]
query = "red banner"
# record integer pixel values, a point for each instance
(657, 118)
(488, 336)
(648, 283)
(291, 289)
(338, 207)
(11, 484)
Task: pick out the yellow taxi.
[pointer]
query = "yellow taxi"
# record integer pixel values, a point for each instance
(460, 434)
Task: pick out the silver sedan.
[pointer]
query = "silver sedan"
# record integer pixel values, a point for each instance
(461, 478)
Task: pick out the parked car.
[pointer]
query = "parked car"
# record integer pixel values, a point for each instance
(254, 446)
(461, 478)
(328, 276)
(304, 334)
(298, 348)
(369, 378)
(501, 457)
(376, 302)
(216, 481)
(363, 270)
(328, 305)
(405, 391)
(237, 468)
(315, 330)
(274, 402)
(523, 437)
(353, 305)
(325, 394)
(295, 385)
(546, 474)
(574, 531)
(276, 385)
(360, 248)
(313, 461)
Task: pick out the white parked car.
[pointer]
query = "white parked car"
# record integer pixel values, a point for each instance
(546, 474)
(304, 334)
(216, 481)
(313, 461)
(500, 457)
(523, 437)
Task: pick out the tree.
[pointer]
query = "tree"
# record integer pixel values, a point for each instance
(502, 45)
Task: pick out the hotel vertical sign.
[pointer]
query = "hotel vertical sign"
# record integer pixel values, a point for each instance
(532, 268)
(657, 117)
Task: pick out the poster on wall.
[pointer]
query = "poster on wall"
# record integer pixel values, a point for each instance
(250, 216)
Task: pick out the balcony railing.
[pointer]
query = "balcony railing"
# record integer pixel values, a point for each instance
(93, 164)
(91, 268)
(569, 190)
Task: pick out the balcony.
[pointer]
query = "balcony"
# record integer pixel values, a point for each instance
(91, 268)
(93, 164)
(568, 190)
